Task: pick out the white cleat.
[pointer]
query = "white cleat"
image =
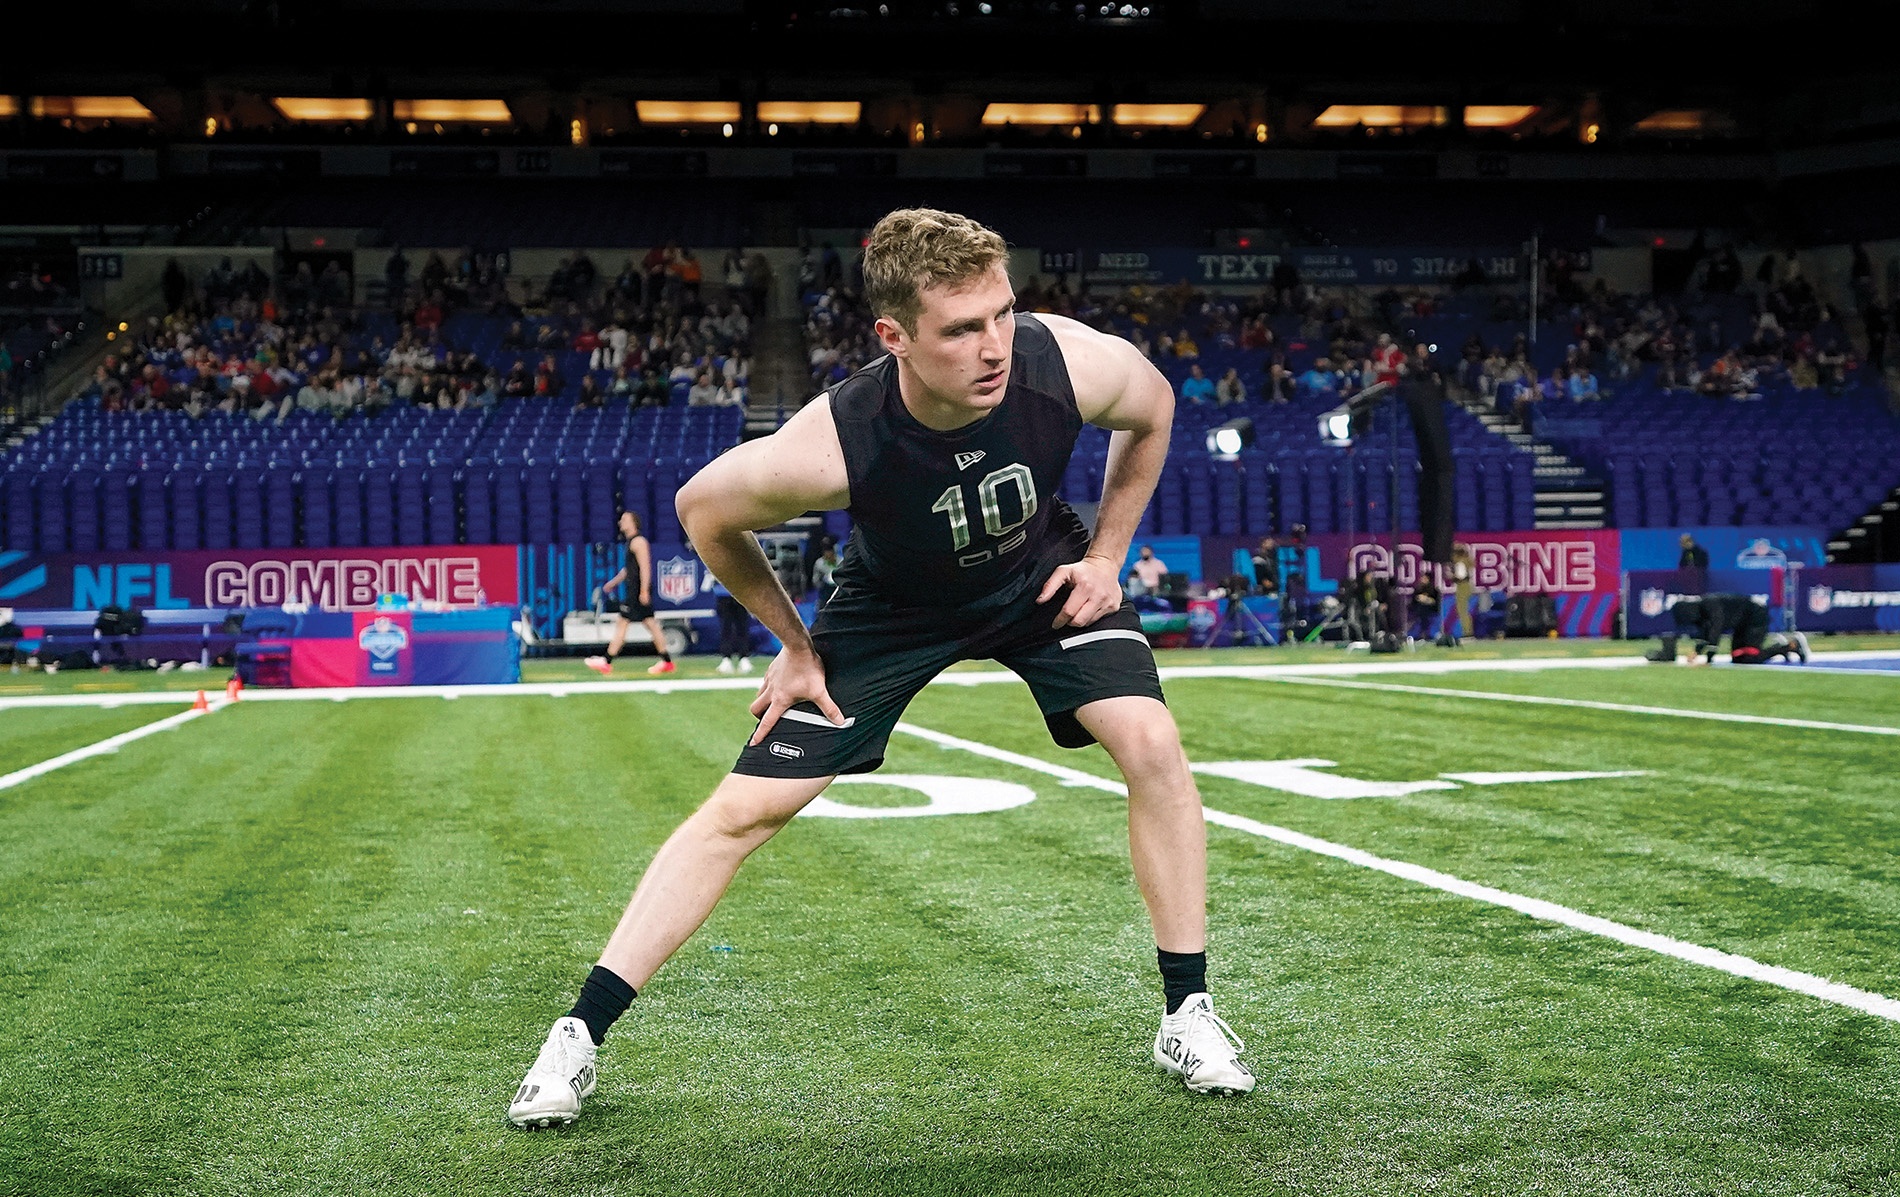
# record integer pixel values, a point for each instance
(725, 665)
(563, 1074)
(1801, 646)
(745, 664)
(1197, 1046)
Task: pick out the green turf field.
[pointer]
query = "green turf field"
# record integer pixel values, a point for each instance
(309, 948)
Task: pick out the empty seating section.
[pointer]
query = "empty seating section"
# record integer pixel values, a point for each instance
(528, 472)
(1792, 457)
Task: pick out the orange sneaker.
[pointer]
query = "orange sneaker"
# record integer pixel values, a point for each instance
(661, 667)
(601, 665)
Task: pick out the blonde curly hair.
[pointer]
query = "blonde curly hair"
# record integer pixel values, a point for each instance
(914, 248)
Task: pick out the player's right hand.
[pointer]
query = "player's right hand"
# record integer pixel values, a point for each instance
(796, 675)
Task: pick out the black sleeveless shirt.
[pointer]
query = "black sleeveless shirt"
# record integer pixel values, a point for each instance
(969, 517)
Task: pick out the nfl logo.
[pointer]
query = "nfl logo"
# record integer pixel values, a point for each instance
(1652, 603)
(678, 579)
(1820, 599)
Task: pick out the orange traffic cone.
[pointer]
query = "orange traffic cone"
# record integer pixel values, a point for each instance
(201, 704)
(234, 689)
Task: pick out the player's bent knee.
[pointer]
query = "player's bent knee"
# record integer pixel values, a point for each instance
(752, 809)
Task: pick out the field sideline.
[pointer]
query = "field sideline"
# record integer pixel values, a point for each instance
(308, 946)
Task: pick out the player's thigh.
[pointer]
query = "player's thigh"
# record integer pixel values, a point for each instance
(1071, 668)
(875, 663)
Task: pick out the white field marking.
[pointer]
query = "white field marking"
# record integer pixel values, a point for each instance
(109, 744)
(1739, 966)
(1627, 708)
(1511, 779)
(972, 677)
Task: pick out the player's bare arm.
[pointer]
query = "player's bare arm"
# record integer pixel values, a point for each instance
(1118, 389)
(758, 484)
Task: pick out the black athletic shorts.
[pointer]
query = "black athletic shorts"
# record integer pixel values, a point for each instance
(877, 657)
(633, 611)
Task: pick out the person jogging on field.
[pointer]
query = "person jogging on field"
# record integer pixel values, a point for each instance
(1738, 616)
(947, 451)
(636, 605)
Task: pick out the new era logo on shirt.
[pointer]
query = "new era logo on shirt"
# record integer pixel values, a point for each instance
(966, 460)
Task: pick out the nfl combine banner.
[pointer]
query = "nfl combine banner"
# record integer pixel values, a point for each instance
(322, 579)
(1580, 570)
(1830, 598)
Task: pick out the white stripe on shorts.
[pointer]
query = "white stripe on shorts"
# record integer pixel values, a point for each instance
(1110, 634)
(820, 720)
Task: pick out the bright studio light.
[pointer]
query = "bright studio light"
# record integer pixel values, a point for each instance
(1335, 427)
(1230, 438)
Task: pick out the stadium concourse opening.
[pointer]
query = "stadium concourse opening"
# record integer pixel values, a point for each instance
(358, 407)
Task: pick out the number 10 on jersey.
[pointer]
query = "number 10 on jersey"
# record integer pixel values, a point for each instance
(951, 503)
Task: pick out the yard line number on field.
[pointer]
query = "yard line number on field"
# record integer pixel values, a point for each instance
(1727, 962)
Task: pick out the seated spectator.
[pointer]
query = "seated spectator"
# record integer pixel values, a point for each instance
(1281, 386)
(703, 393)
(1185, 346)
(1582, 385)
(591, 395)
(548, 380)
(1528, 395)
(653, 390)
(519, 384)
(1318, 380)
(1197, 387)
(1230, 389)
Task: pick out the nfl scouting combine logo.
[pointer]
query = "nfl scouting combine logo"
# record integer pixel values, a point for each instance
(1653, 602)
(382, 640)
(679, 578)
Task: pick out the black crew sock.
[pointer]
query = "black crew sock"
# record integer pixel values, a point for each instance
(1182, 975)
(665, 656)
(604, 998)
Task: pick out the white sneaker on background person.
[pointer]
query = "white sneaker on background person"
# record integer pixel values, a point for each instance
(745, 664)
(725, 665)
(1197, 1046)
(563, 1074)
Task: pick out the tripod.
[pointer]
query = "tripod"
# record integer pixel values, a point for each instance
(1247, 627)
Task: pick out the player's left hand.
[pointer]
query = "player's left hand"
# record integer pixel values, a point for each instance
(1095, 590)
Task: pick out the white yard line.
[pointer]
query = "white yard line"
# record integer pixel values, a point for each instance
(1727, 962)
(107, 745)
(1589, 704)
(973, 677)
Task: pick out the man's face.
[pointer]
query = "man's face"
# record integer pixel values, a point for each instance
(965, 335)
(1147, 554)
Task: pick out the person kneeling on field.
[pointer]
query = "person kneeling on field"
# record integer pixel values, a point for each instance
(1744, 621)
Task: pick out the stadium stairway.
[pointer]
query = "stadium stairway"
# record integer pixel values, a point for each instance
(1568, 495)
(780, 381)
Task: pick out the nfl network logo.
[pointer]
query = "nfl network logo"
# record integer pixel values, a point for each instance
(1820, 599)
(679, 578)
(382, 640)
(1652, 603)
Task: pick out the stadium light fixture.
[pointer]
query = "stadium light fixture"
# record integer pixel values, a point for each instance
(1680, 121)
(687, 112)
(323, 108)
(1157, 116)
(90, 108)
(1227, 440)
(1042, 114)
(1381, 116)
(9, 107)
(1497, 116)
(455, 112)
(810, 112)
